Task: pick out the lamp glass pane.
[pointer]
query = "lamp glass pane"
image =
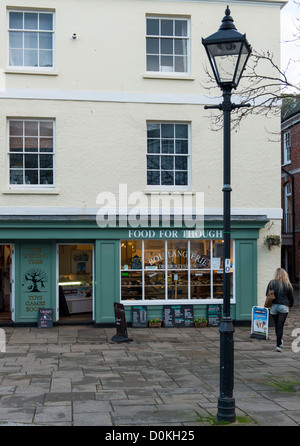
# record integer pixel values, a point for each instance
(224, 58)
(241, 64)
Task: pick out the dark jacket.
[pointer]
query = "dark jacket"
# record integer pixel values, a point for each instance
(283, 296)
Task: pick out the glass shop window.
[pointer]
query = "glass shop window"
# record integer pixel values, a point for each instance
(173, 270)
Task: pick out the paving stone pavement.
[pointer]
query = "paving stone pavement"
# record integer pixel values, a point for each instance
(77, 376)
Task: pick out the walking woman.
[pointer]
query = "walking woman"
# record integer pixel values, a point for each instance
(284, 300)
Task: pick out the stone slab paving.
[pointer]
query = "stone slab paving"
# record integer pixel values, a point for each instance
(77, 376)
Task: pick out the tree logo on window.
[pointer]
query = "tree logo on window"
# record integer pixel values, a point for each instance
(34, 280)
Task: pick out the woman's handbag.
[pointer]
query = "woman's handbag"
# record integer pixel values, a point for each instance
(269, 299)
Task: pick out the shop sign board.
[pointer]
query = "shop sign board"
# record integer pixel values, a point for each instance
(45, 318)
(178, 315)
(175, 234)
(259, 323)
(139, 316)
(35, 278)
(214, 315)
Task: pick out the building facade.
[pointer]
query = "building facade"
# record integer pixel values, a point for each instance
(290, 186)
(102, 111)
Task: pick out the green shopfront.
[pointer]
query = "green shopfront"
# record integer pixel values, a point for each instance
(79, 270)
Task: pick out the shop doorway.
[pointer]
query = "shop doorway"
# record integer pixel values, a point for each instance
(75, 283)
(6, 283)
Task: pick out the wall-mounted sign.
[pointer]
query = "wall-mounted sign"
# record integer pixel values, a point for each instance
(178, 315)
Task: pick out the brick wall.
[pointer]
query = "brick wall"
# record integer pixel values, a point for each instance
(293, 167)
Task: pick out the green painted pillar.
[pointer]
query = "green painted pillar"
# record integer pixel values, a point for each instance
(246, 278)
(107, 279)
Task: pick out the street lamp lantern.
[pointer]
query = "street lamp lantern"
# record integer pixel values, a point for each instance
(228, 52)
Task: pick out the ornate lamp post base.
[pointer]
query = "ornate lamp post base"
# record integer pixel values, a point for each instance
(226, 402)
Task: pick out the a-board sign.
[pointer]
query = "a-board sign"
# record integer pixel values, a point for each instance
(45, 318)
(120, 319)
(121, 326)
(214, 315)
(139, 316)
(259, 323)
(178, 315)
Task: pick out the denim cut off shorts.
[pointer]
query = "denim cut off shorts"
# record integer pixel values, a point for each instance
(277, 308)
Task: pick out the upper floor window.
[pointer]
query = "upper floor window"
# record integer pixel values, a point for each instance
(30, 39)
(167, 45)
(31, 152)
(167, 154)
(287, 147)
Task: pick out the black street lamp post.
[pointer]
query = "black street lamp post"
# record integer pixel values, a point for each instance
(228, 53)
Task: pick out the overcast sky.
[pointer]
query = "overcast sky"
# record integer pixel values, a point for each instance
(290, 46)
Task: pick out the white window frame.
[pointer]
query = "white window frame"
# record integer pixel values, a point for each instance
(24, 185)
(161, 187)
(288, 206)
(287, 147)
(288, 189)
(28, 68)
(162, 71)
(167, 301)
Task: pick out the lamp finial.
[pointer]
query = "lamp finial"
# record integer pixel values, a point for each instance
(227, 22)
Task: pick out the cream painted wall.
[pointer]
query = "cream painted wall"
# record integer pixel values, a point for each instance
(267, 260)
(101, 100)
(109, 54)
(100, 145)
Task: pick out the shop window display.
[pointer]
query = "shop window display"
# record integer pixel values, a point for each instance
(159, 270)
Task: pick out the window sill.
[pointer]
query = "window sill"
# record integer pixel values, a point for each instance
(168, 76)
(31, 191)
(151, 302)
(287, 163)
(30, 71)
